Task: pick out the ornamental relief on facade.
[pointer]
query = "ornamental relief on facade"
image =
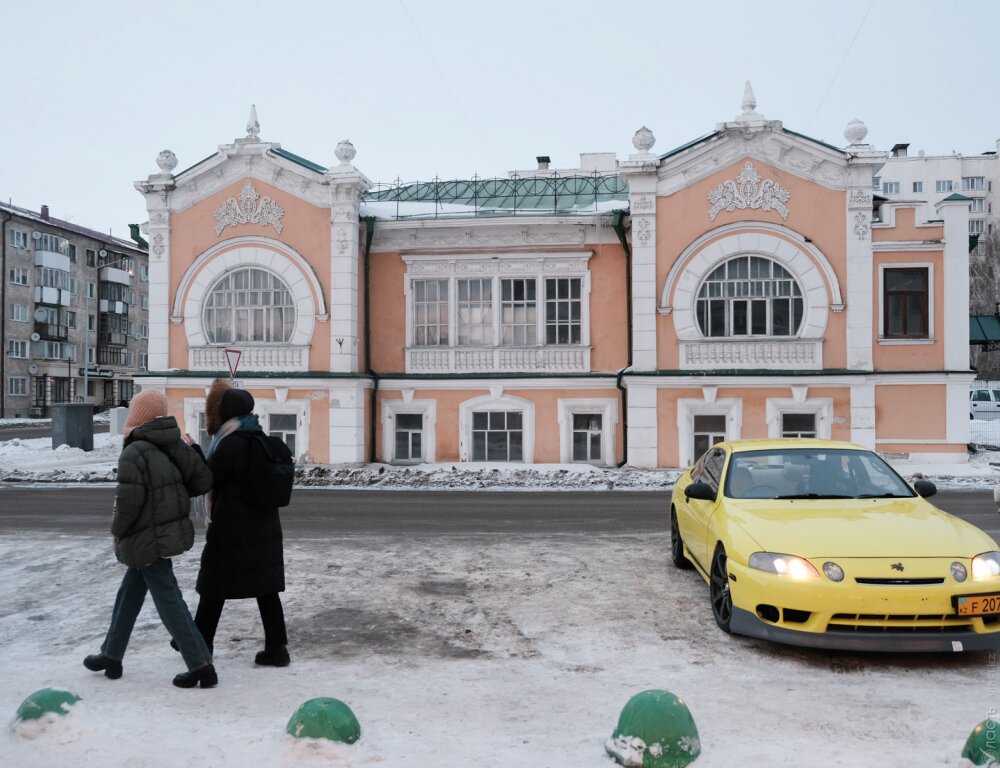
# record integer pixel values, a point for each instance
(397, 240)
(748, 191)
(497, 266)
(249, 211)
(861, 225)
(859, 197)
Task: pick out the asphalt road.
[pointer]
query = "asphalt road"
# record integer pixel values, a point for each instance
(324, 512)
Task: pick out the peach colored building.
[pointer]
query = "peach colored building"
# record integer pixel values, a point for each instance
(634, 310)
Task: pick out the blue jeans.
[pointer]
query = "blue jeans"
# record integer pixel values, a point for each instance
(158, 579)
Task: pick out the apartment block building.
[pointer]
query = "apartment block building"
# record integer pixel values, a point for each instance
(75, 318)
(931, 178)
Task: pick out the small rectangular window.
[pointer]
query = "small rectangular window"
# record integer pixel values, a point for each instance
(798, 425)
(518, 312)
(17, 386)
(905, 297)
(943, 185)
(18, 238)
(891, 187)
(19, 313)
(876, 183)
(18, 276)
(563, 307)
(708, 430)
(918, 186)
(497, 436)
(587, 435)
(430, 313)
(409, 438)
(971, 183)
(283, 425)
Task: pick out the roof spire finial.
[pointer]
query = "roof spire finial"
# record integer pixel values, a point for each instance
(253, 127)
(749, 103)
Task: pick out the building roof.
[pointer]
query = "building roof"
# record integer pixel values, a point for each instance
(550, 195)
(69, 226)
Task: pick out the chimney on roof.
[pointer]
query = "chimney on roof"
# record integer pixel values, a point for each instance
(543, 162)
(45, 212)
(899, 150)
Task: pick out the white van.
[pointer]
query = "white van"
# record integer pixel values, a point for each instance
(984, 403)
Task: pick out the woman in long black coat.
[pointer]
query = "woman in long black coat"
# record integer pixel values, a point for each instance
(244, 553)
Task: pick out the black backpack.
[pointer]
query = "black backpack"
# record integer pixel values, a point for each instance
(273, 472)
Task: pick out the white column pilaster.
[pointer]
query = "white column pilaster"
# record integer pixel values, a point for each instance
(346, 187)
(859, 296)
(863, 414)
(157, 189)
(643, 430)
(955, 282)
(347, 423)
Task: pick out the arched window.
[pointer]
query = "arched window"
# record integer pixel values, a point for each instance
(749, 296)
(249, 305)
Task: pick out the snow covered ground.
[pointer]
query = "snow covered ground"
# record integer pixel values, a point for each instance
(33, 460)
(493, 651)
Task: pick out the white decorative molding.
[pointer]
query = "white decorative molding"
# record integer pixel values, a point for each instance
(729, 197)
(427, 409)
(859, 197)
(566, 408)
(750, 353)
(554, 359)
(489, 403)
(248, 211)
(861, 225)
(643, 231)
(277, 258)
(642, 204)
(806, 263)
(159, 245)
(270, 357)
(397, 236)
(688, 408)
(820, 407)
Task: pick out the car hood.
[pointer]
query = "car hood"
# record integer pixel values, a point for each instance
(857, 528)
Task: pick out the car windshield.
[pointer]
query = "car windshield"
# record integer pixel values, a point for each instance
(812, 473)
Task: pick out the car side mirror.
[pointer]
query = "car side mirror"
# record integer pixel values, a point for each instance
(702, 491)
(925, 488)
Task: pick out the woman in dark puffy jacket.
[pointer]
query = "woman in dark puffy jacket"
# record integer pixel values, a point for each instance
(157, 476)
(244, 553)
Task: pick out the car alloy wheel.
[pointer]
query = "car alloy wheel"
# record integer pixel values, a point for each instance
(677, 544)
(718, 588)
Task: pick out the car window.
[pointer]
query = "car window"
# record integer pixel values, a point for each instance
(980, 395)
(712, 468)
(812, 473)
(996, 394)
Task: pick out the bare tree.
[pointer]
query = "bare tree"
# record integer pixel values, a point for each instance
(984, 299)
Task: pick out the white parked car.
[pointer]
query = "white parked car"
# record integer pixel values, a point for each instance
(984, 403)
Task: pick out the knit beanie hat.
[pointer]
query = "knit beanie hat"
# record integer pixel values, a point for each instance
(235, 402)
(146, 406)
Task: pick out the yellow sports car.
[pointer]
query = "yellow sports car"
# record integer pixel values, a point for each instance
(820, 543)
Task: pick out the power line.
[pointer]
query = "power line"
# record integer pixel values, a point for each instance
(841, 65)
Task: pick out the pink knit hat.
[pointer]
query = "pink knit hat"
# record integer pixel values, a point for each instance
(146, 406)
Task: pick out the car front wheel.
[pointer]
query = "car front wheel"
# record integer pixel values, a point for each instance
(718, 588)
(677, 544)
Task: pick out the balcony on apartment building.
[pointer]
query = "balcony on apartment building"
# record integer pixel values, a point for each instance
(52, 332)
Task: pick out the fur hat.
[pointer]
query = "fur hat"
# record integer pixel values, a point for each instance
(235, 402)
(146, 406)
(213, 401)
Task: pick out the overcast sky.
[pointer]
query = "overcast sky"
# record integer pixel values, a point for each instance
(94, 90)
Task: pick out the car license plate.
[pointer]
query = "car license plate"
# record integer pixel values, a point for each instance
(978, 605)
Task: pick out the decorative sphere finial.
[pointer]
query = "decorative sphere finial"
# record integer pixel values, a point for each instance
(345, 152)
(643, 140)
(855, 131)
(166, 161)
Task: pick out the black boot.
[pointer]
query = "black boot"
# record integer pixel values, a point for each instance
(205, 676)
(273, 657)
(97, 662)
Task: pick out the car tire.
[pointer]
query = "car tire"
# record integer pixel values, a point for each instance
(719, 589)
(677, 544)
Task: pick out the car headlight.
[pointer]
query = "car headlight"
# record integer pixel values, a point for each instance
(959, 572)
(986, 566)
(784, 565)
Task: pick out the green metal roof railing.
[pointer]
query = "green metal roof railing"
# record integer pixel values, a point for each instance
(530, 195)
